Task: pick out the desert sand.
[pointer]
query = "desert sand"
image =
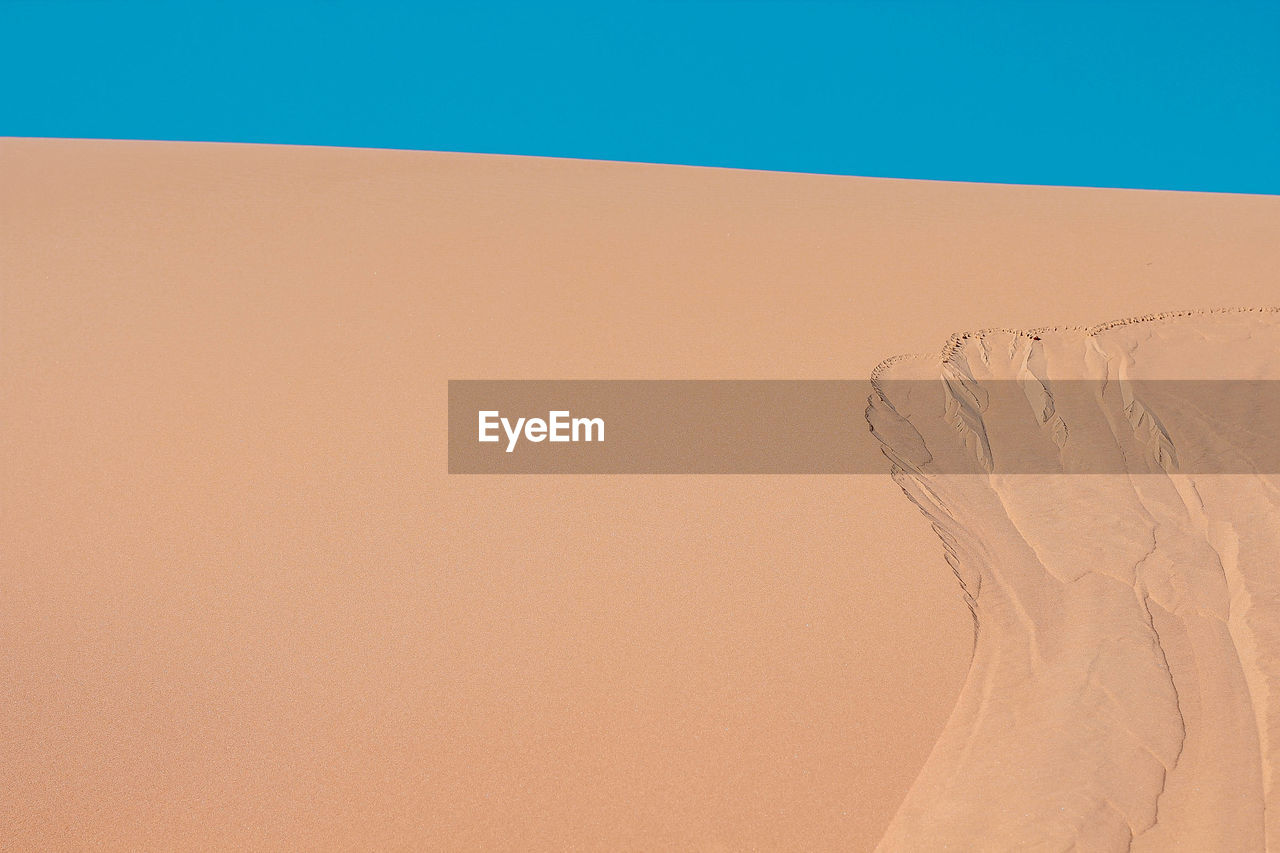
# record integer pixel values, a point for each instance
(245, 607)
(1127, 637)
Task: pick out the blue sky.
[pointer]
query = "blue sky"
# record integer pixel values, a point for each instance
(1161, 95)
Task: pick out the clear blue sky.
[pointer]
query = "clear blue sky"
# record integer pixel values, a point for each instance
(1172, 95)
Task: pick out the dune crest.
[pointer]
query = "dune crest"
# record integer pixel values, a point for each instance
(1123, 688)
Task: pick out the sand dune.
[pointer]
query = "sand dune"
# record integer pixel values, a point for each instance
(1127, 625)
(244, 606)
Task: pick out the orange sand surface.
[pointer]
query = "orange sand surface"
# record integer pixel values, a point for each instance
(243, 606)
(1127, 625)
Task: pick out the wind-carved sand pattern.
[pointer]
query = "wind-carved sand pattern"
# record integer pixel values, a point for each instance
(1124, 692)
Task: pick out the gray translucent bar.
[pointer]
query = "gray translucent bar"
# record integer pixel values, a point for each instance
(860, 427)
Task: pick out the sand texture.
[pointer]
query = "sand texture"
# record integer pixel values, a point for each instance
(1122, 694)
(243, 605)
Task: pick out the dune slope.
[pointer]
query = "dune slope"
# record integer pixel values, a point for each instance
(1126, 625)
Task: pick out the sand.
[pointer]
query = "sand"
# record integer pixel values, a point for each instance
(245, 607)
(1126, 625)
